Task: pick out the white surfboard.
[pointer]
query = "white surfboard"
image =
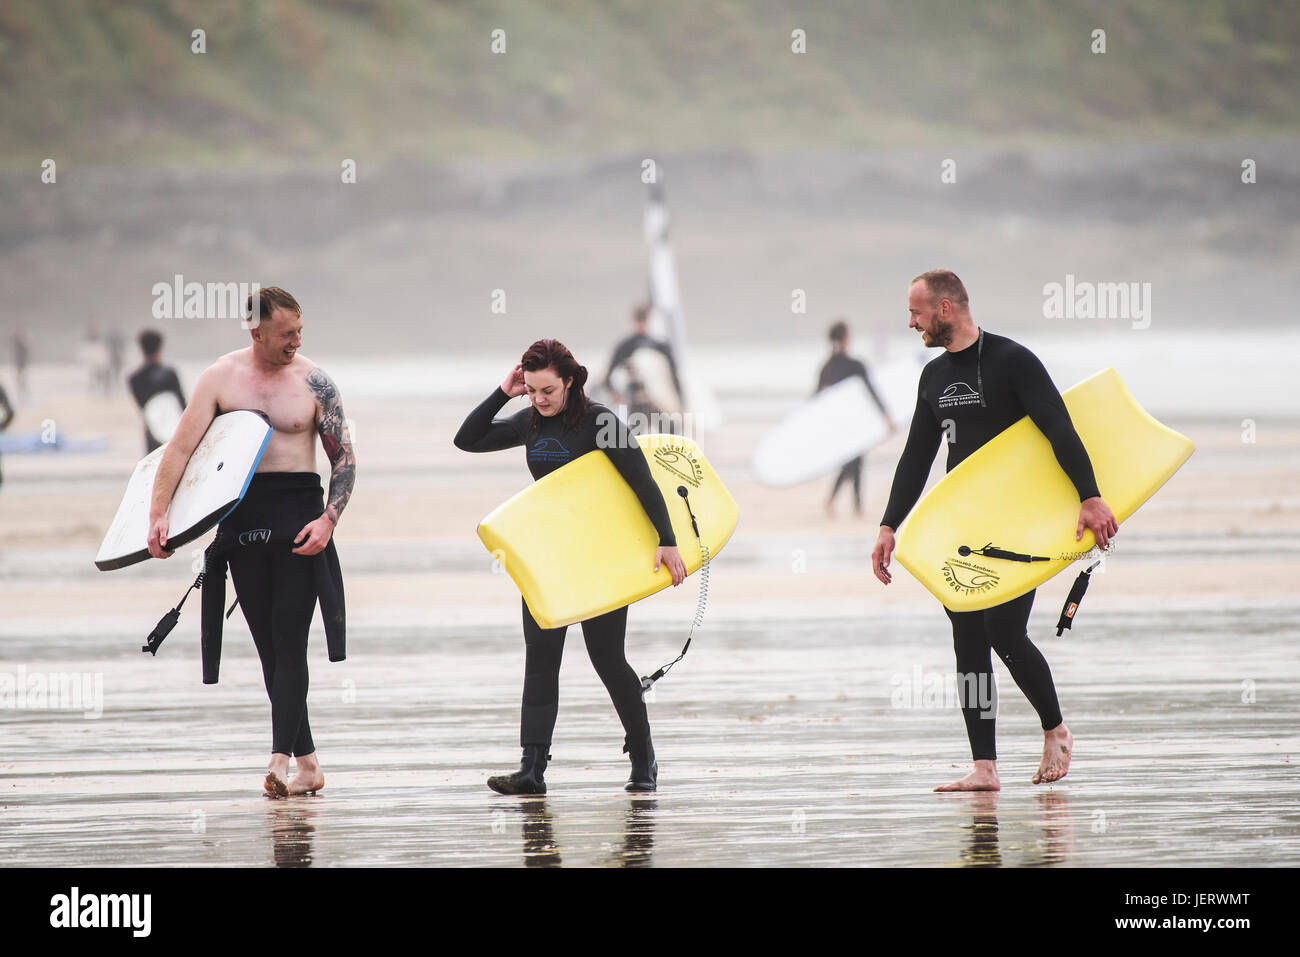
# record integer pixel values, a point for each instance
(215, 479)
(162, 413)
(895, 382)
(651, 368)
(667, 319)
(836, 425)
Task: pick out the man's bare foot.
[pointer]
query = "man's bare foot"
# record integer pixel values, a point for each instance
(1058, 746)
(276, 772)
(309, 778)
(983, 778)
(275, 786)
(305, 782)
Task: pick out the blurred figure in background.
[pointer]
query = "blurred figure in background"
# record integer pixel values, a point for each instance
(6, 416)
(22, 350)
(147, 383)
(838, 367)
(642, 372)
(92, 354)
(116, 343)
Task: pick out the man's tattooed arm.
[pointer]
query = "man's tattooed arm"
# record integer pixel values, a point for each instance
(333, 429)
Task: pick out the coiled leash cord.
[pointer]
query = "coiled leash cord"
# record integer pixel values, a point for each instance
(1077, 590)
(647, 682)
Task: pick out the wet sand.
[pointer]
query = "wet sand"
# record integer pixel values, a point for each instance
(779, 737)
(777, 746)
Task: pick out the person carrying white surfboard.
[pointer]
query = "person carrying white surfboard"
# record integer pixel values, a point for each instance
(278, 540)
(645, 397)
(979, 386)
(838, 367)
(563, 425)
(156, 387)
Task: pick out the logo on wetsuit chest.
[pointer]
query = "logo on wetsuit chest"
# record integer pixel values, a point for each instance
(959, 393)
(967, 578)
(255, 536)
(549, 450)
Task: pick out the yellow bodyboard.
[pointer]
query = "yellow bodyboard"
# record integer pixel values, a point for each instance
(578, 543)
(1012, 493)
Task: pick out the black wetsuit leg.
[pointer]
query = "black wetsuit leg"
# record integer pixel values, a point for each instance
(605, 636)
(1007, 626)
(850, 472)
(277, 592)
(1004, 629)
(544, 649)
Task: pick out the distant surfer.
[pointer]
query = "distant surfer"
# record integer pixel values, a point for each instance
(6, 416)
(277, 541)
(838, 367)
(641, 361)
(154, 379)
(22, 356)
(562, 425)
(978, 387)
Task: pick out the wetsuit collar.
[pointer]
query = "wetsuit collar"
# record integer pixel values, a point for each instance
(978, 347)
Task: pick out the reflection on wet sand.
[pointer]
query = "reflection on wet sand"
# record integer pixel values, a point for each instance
(638, 835)
(983, 849)
(1053, 825)
(1057, 842)
(292, 829)
(542, 849)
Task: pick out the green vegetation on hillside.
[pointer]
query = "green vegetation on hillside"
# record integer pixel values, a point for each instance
(95, 81)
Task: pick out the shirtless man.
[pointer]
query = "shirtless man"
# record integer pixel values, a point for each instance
(276, 571)
(981, 383)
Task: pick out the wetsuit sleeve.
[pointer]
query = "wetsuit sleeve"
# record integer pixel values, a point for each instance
(175, 386)
(631, 463)
(914, 465)
(862, 371)
(622, 352)
(672, 369)
(1043, 403)
(480, 432)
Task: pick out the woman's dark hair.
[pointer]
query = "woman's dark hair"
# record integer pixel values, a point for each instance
(554, 355)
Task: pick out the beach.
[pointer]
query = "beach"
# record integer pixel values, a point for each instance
(807, 726)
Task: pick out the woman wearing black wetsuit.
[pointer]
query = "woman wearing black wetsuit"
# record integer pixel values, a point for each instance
(561, 426)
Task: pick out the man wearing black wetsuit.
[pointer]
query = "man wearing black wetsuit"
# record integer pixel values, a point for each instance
(278, 542)
(151, 379)
(838, 367)
(978, 387)
(640, 338)
(560, 427)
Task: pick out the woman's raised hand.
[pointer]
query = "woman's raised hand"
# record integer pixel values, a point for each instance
(514, 382)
